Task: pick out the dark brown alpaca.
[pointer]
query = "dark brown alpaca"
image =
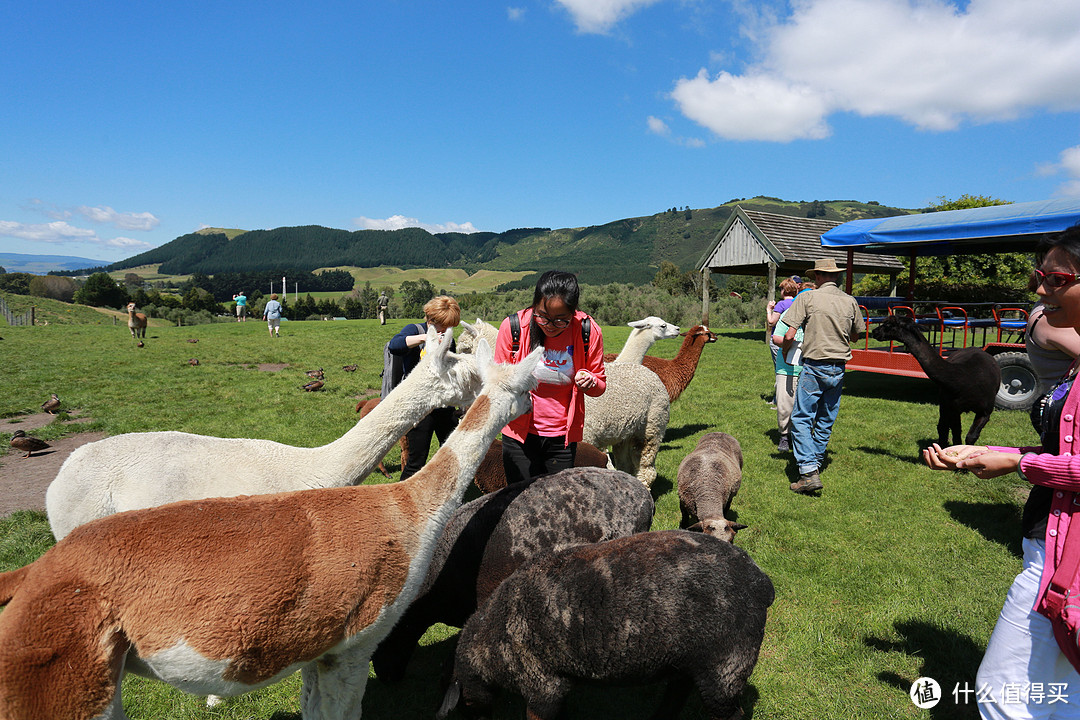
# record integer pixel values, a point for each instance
(968, 379)
(677, 372)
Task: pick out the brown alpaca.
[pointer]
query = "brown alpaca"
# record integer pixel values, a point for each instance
(136, 322)
(677, 373)
(367, 406)
(226, 595)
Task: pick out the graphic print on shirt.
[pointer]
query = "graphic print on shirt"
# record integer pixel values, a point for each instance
(557, 367)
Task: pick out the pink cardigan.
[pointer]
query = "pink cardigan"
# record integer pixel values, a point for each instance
(1061, 472)
(594, 363)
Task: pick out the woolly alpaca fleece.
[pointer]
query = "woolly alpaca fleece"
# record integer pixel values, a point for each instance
(488, 538)
(707, 603)
(225, 595)
(708, 479)
(140, 470)
(630, 418)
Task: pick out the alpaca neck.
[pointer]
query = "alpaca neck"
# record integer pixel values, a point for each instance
(357, 452)
(690, 351)
(440, 485)
(920, 348)
(636, 346)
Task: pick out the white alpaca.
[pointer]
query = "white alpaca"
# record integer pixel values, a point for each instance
(630, 417)
(227, 595)
(140, 470)
(642, 337)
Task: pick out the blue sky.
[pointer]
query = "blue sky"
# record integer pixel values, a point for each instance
(126, 124)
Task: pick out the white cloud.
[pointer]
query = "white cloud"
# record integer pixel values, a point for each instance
(61, 233)
(125, 221)
(1068, 165)
(515, 14)
(599, 16)
(54, 232)
(397, 222)
(927, 62)
(658, 126)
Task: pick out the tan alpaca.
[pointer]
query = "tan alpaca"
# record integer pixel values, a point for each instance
(136, 322)
(226, 595)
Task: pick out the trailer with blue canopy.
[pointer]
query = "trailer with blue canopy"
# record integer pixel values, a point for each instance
(1015, 227)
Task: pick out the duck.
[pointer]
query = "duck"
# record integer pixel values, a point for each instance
(193, 361)
(193, 340)
(313, 386)
(315, 374)
(349, 368)
(27, 443)
(51, 405)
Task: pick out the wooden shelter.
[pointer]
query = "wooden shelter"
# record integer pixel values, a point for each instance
(760, 243)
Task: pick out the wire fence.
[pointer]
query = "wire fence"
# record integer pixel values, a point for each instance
(25, 318)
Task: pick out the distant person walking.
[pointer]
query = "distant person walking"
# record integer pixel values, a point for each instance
(382, 303)
(272, 316)
(830, 318)
(241, 306)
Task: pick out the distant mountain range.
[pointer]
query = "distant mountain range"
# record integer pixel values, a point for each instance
(628, 250)
(42, 264)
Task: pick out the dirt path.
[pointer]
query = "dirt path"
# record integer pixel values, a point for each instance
(23, 482)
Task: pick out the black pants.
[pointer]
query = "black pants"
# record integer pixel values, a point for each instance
(536, 456)
(440, 423)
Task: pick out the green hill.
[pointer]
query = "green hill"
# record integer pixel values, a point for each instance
(628, 250)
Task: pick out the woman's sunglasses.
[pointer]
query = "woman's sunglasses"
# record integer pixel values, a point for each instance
(1054, 279)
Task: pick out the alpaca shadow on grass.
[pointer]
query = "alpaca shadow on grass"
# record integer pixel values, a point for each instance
(997, 522)
(949, 657)
(683, 431)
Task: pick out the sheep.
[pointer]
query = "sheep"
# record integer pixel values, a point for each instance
(708, 478)
(488, 538)
(630, 418)
(491, 475)
(578, 615)
(227, 595)
(641, 338)
(968, 380)
(136, 322)
(138, 470)
(677, 372)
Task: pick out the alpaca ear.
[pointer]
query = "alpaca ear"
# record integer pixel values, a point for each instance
(637, 323)
(466, 327)
(436, 348)
(738, 526)
(450, 700)
(523, 371)
(696, 527)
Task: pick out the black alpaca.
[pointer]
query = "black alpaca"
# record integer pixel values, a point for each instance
(968, 379)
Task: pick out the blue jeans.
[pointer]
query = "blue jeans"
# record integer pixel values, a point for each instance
(817, 400)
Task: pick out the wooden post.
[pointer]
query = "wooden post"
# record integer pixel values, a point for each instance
(771, 296)
(32, 308)
(706, 273)
(850, 266)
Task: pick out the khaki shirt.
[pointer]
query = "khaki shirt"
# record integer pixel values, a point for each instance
(830, 319)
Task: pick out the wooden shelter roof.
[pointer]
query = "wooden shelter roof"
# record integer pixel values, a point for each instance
(750, 241)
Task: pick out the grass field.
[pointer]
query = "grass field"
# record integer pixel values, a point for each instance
(895, 572)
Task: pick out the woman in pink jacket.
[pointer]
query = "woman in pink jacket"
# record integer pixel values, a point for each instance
(545, 440)
(1032, 654)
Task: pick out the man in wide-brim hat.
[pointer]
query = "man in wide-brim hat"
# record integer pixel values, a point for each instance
(830, 318)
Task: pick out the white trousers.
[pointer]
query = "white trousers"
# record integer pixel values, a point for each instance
(1023, 673)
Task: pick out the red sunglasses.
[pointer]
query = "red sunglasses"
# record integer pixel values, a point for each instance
(1055, 279)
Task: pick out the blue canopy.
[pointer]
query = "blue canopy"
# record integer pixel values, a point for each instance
(1000, 228)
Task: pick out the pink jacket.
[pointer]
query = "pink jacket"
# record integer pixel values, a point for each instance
(594, 363)
(1061, 472)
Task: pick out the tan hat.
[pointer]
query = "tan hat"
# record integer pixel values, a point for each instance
(827, 265)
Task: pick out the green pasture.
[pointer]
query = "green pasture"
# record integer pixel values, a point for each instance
(454, 280)
(893, 573)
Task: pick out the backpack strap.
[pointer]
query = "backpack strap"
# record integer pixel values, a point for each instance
(586, 330)
(515, 334)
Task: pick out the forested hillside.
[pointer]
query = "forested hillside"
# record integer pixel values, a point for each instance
(628, 251)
